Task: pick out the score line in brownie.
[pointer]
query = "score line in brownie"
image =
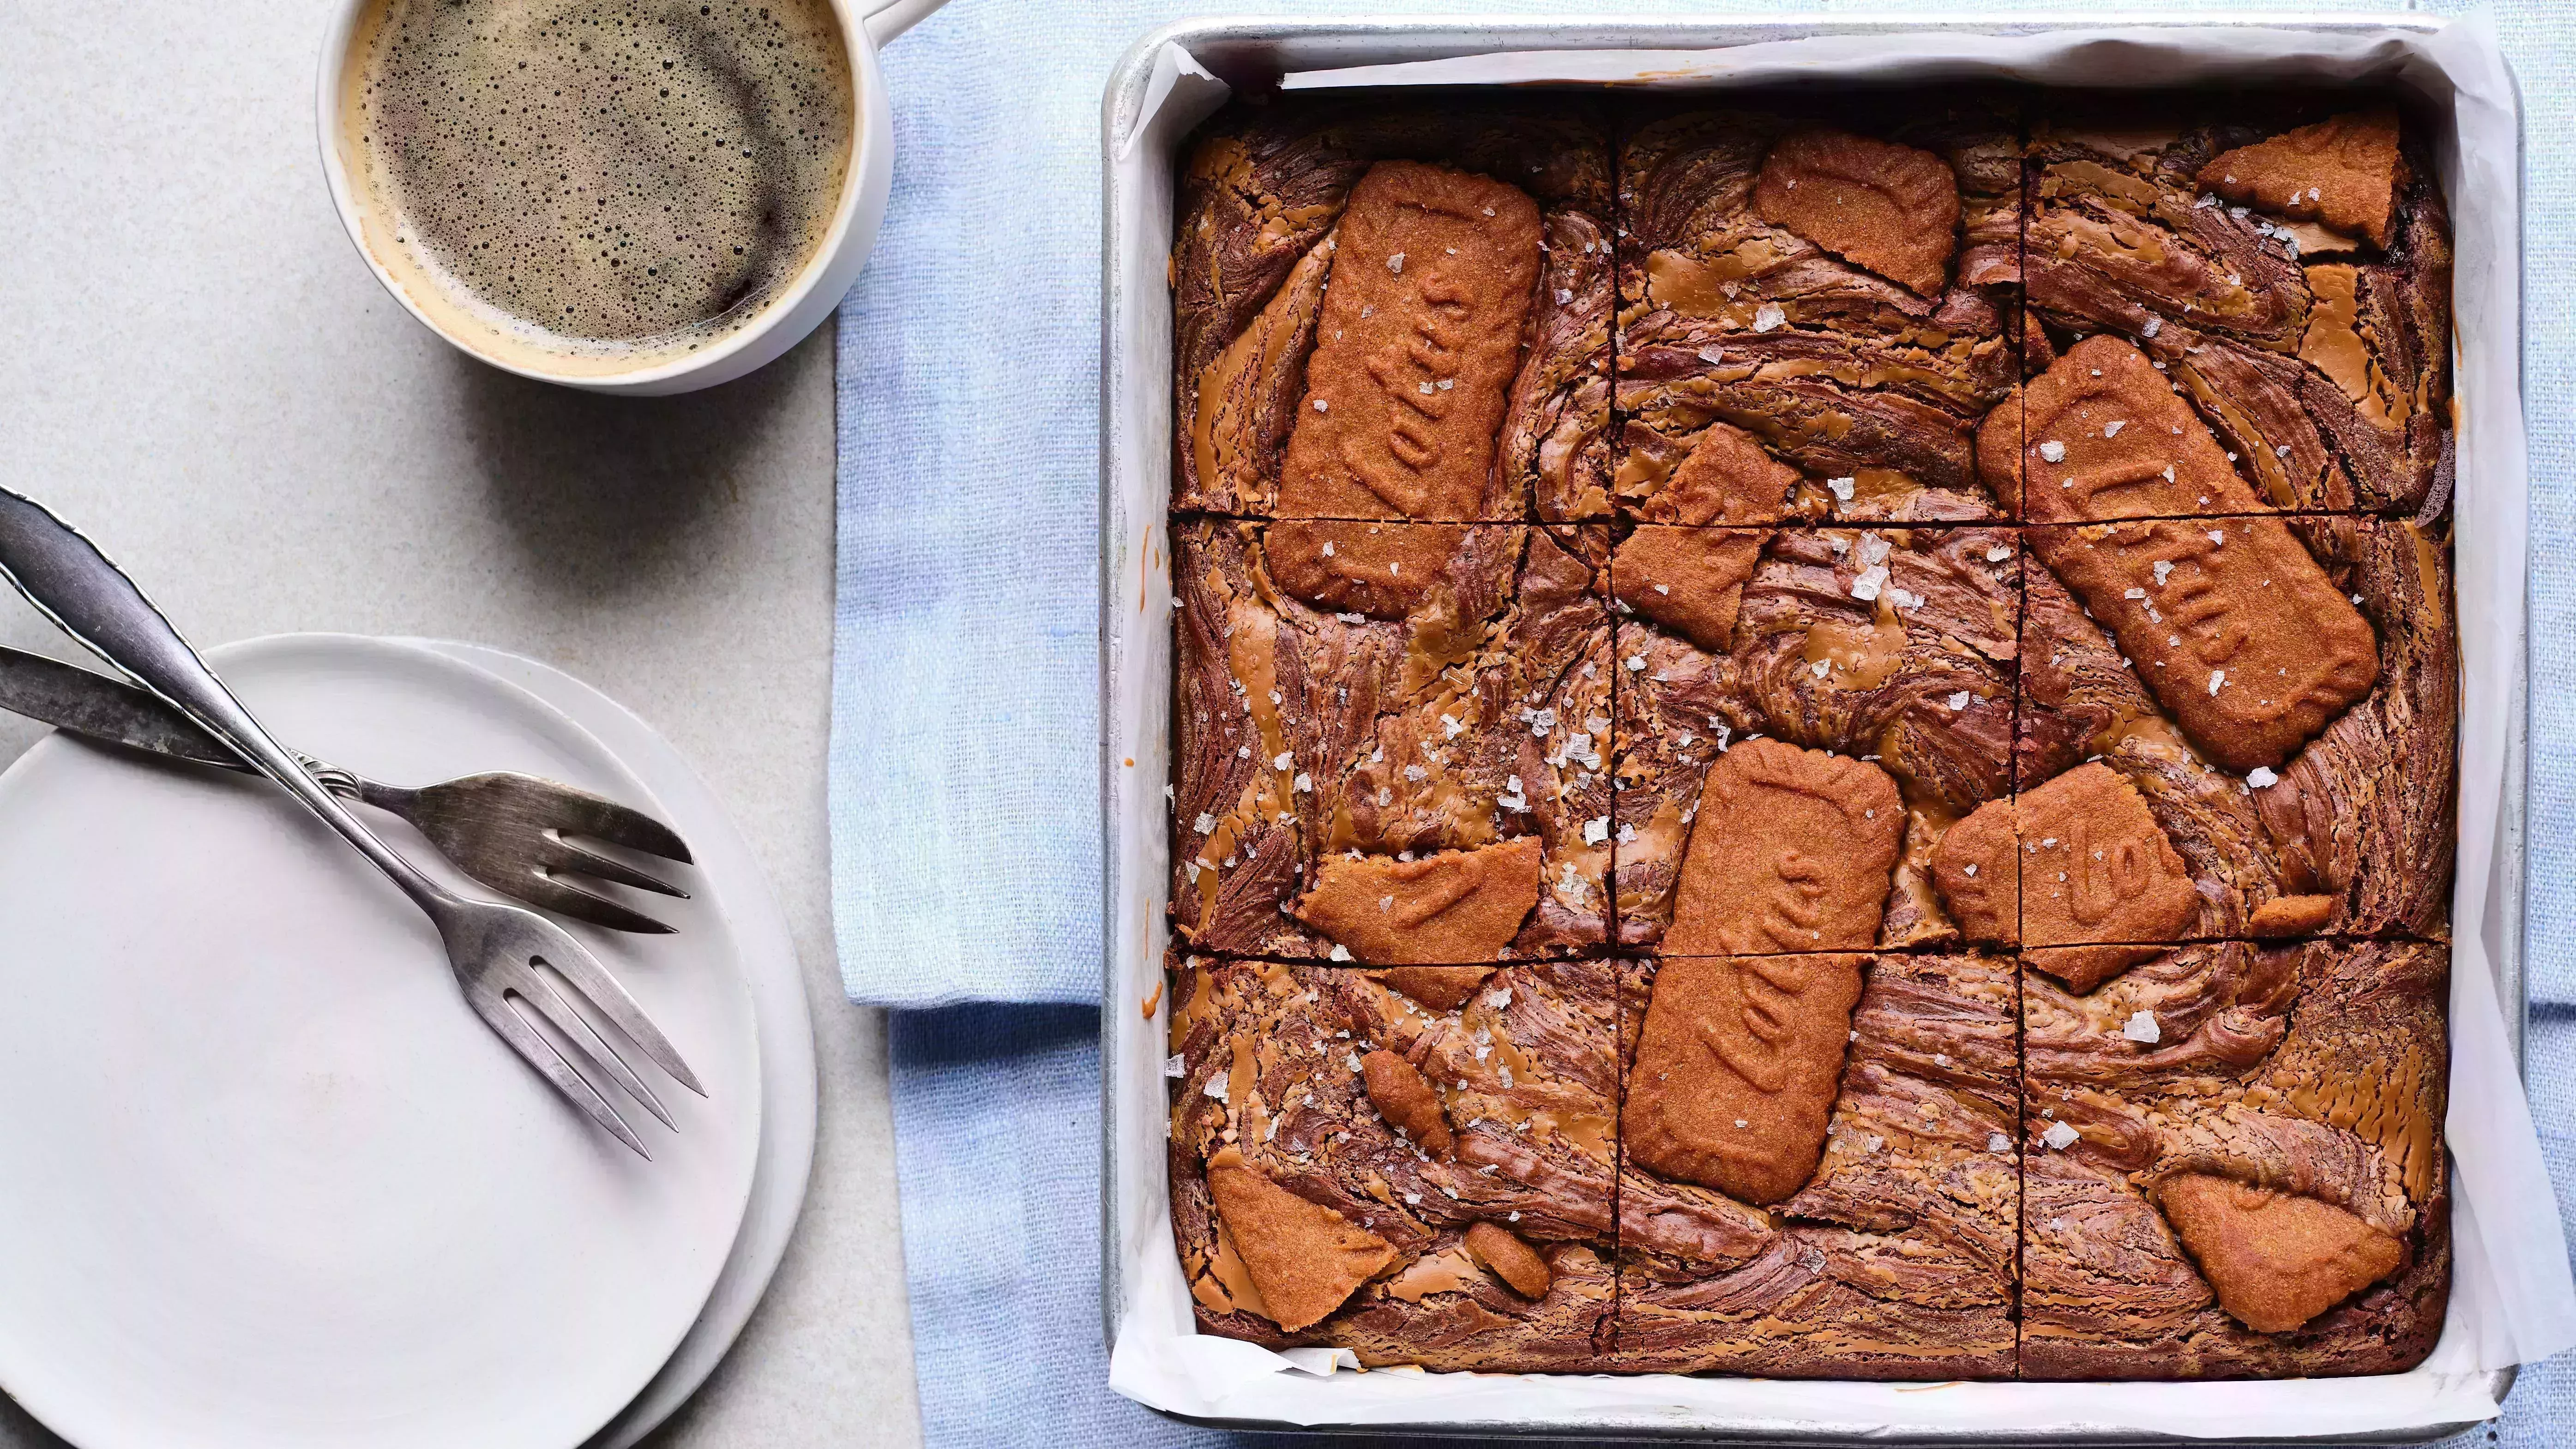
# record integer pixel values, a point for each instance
(1814, 738)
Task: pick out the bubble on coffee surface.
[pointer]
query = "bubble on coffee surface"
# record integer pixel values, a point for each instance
(618, 180)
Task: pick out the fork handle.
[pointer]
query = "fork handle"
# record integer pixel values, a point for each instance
(66, 576)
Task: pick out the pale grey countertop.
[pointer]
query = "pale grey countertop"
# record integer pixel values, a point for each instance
(201, 372)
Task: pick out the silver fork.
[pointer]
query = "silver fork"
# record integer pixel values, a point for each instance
(504, 829)
(510, 962)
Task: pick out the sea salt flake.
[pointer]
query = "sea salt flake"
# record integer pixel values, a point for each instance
(1563, 296)
(1217, 1086)
(1865, 588)
(2164, 570)
(1395, 264)
(1303, 783)
(1959, 701)
(1322, 406)
(2154, 326)
(1999, 553)
(2261, 777)
(2217, 680)
(1768, 316)
(2053, 451)
(2141, 1026)
(1843, 487)
(1971, 870)
(1416, 773)
(1338, 953)
(1596, 830)
(1205, 824)
(1283, 760)
(1627, 834)
(1712, 356)
(1636, 663)
(2059, 1136)
(1998, 1142)
(2112, 428)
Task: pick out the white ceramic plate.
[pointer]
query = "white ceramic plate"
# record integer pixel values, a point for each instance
(269, 1181)
(735, 884)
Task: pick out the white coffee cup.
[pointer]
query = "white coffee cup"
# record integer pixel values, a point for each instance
(817, 289)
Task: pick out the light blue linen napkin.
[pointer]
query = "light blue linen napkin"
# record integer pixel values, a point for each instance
(963, 793)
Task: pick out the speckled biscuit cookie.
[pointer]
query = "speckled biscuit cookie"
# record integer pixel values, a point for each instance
(1890, 1253)
(1876, 666)
(1816, 302)
(1421, 1184)
(2235, 1164)
(1420, 781)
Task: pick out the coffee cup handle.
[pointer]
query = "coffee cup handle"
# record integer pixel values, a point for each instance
(885, 19)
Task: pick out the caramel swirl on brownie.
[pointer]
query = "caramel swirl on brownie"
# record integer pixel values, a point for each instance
(1791, 850)
(2231, 623)
(1736, 1069)
(1416, 348)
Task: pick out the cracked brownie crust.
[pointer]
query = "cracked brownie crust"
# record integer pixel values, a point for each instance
(1814, 738)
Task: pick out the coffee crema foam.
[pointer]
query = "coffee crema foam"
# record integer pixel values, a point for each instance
(597, 185)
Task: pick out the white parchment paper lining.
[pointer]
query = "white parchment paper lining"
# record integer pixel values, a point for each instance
(2511, 1301)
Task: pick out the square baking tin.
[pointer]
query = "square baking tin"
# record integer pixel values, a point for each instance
(1138, 164)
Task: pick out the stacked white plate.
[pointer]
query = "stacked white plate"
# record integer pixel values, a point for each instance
(264, 1177)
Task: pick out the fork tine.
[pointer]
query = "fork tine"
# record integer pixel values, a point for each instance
(579, 812)
(576, 1028)
(601, 990)
(569, 856)
(532, 1047)
(565, 899)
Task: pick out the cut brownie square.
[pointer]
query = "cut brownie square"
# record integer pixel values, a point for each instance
(1816, 308)
(1390, 740)
(1394, 311)
(1417, 1165)
(2228, 727)
(1820, 1173)
(2281, 264)
(1802, 715)
(2235, 1164)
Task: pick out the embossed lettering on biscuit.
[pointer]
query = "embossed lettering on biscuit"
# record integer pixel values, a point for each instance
(1450, 908)
(2276, 1259)
(1791, 850)
(1688, 579)
(1419, 338)
(1405, 1100)
(1893, 209)
(2342, 172)
(1304, 1257)
(2095, 865)
(2104, 436)
(1500, 1251)
(1727, 477)
(1736, 1070)
(1385, 571)
(2240, 635)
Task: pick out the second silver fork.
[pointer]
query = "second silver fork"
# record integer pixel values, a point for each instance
(516, 968)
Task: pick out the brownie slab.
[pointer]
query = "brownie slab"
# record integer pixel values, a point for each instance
(1821, 1175)
(2310, 335)
(1816, 307)
(1872, 672)
(1354, 1165)
(1394, 311)
(2235, 1164)
(2281, 743)
(1390, 740)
